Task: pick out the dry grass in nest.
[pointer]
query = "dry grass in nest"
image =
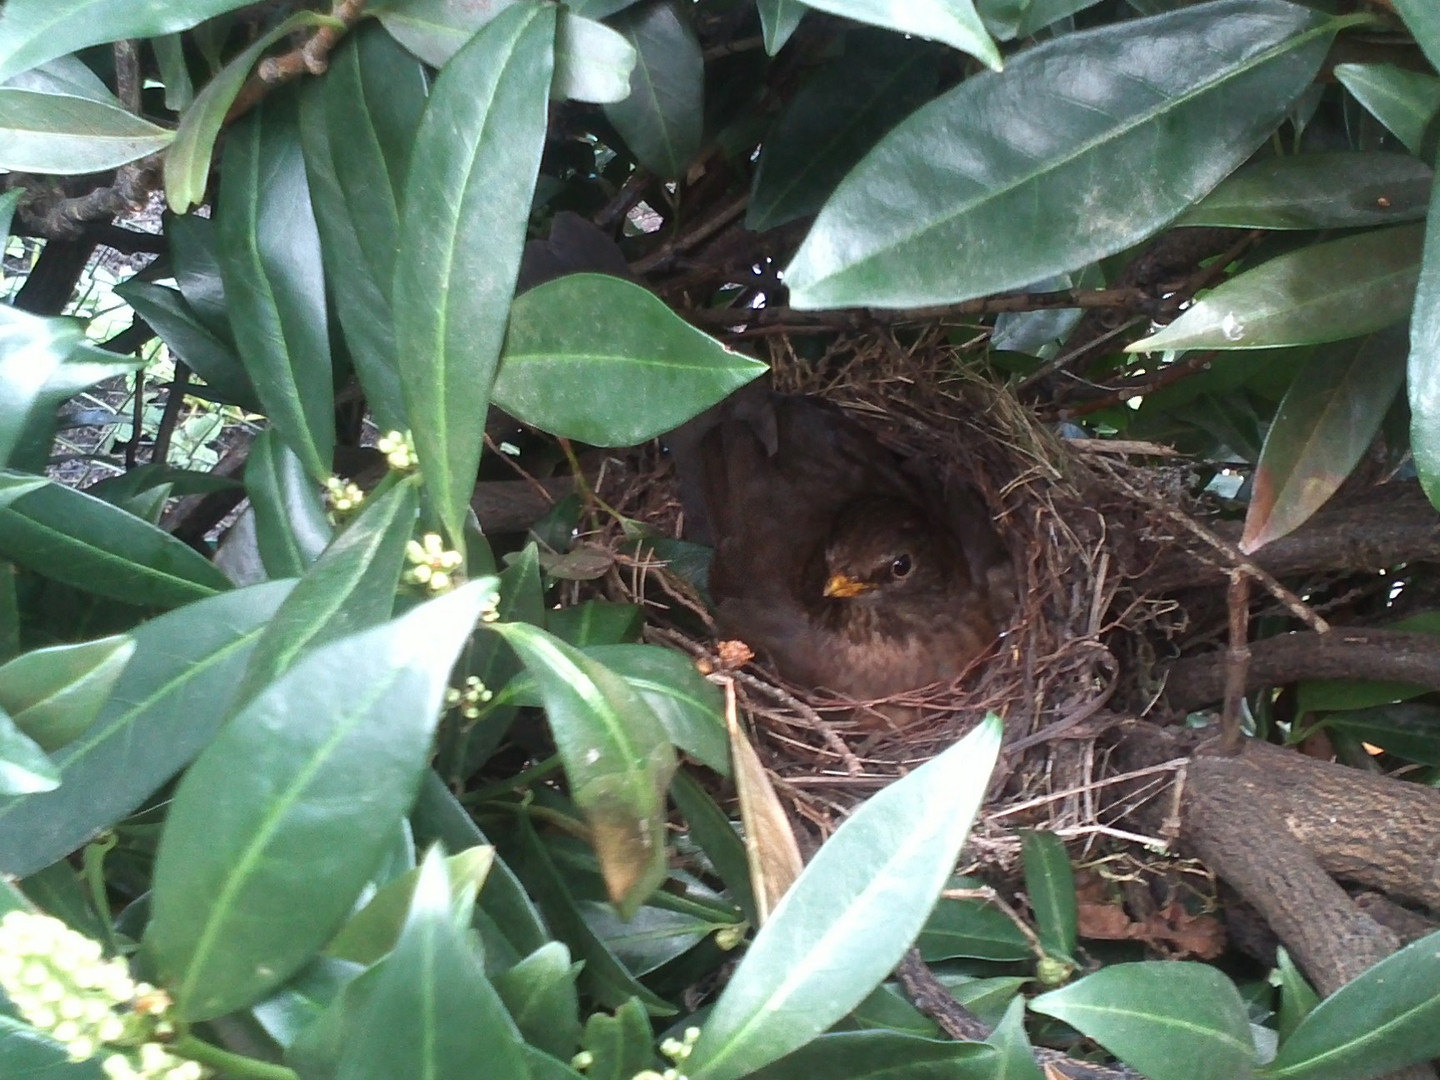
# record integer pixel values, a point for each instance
(1060, 670)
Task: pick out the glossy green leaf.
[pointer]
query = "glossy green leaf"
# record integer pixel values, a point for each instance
(350, 588)
(778, 20)
(373, 930)
(166, 706)
(592, 62)
(195, 253)
(620, 1045)
(662, 116)
(179, 326)
(594, 358)
(596, 622)
(1404, 101)
(301, 1002)
(187, 164)
(54, 694)
(1168, 1020)
(1423, 372)
(539, 993)
(170, 59)
(1325, 425)
(1372, 1025)
(65, 135)
(972, 929)
(1422, 19)
(687, 704)
(32, 349)
(467, 197)
(850, 916)
(651, 937)
(952, 21)
(1325, 292)
(834, 119)
(618, 759)
(84, 541)
(1331, 190)
(63, 75)
(1064, 140)
(1330, 695)
(357, 125)
(718, 838)
(1013, 1046)
(1409, 729)
(1050, 884)
(1297, 997)
(33, 31)
(25, 1054)
(266, 847)
(291, 526)
(274, 284)
(24, 768)
(853, 1055)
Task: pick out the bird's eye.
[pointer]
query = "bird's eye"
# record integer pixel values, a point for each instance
(902, 566)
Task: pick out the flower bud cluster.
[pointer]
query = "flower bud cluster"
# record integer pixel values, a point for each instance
(469, 699)
(345, 497)
(431, 563)
(61, 984)
(398, 449)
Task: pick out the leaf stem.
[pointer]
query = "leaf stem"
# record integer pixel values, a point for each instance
(229, 1063)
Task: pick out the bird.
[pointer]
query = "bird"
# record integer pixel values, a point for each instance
(848, 567)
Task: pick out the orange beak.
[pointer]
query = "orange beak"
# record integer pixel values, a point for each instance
(843, 587)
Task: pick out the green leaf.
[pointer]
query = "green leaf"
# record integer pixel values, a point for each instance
(1334, 190)
(1331, 695)
(180, 327)
(1323, 428)
(84, 541)
(539, 993)
(1169, 1020)
(718, 838)
(1297, 998)
(63, 75)
(1065, 140)
(592, 62)
(853, 1055)
(32, 350)
(1404, 101)
(1324, 292)
(952, 21)
(650, 938)
(1372, 1025)
(834, 119)
(1050, 884)
(350, 588)
(596, 622)
(778, 20)
(863, 897)
(687, 704)
(357, 125)
(973, 929)
(65, 135)
(266, 847)
(1423, 22)
(374, 929)
(621, 1045)
(1423, 373)
(54, 694)
(594, 358)
(166, 706)
(467, 197)
(24, 768)
(291, 528)
(1013, 1045)
(662, 116)
(195, 253)
(274, 284)
(33, 31)
(26, 1054)
(618, 760)
(187, 165)
(1409, 730)
(8, 202)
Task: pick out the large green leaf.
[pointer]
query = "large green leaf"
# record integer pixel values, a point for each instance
(33, 31)
(1325, 292)
(952, 21)
(1423, 382)
(291, 528)
(850, 916)
(274, 284)
(687, 704)
(974, 929)
(187, 165)
(1323, 428)
(594, 358)
(32, 348)
(65, 135)
(592, 62)
(1404, 101)
(1050, 883)
(661, 118)
(1423, 20)
(1334, 190)
(165, 707)
(357, 125)
(467, 197)
(540, 994)
(1171, 1021)
(617, 758)
(54, 694)
(26, 1054)
(267, 846)
(63, 75)
(778, 20)
(24, 768)
(85, 542)
(350, 588)
(1012, 177)
(834, 119)
(853, 1055)
(1374, 1024)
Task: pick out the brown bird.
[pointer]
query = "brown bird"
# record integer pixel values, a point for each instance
(848, 567)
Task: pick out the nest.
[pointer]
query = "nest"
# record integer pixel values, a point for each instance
(1072, 662)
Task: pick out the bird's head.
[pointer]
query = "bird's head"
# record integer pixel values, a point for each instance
(884, 546)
